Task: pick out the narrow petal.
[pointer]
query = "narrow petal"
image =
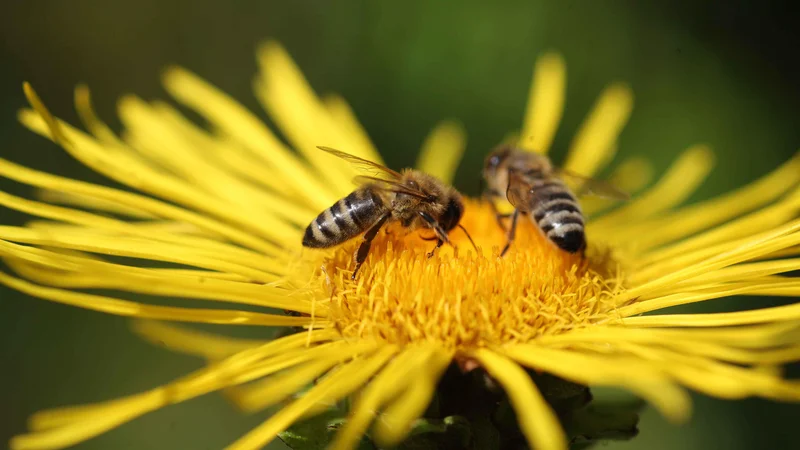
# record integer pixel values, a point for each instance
(683, 341)
(545, 103)
(631, 176)
(225, 150)
(347, 122)
(442, 150)
(63, 427)
(342, 382)
(756, 336)
(251, 132)
(704, 215)
(536, 420)
(274, 389)
(396, 421)
(392, 380)
(121, 411)
(715, 378)
(645, 380)
(150, 133)
(680, 181)
(127, 308)
(173, 236)
(191, 287)
(300, 114)
(728, 233)
(784, 313)
(131, 247)
(593, 145)
(755, 246)
(101, 131)
(148, 205)
(91, 203)
(665, 300)
(280, 375)
(137, 173)
(741, 272)
(206, 345)
(149, 282)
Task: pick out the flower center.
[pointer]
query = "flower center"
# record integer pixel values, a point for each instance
(461, 299)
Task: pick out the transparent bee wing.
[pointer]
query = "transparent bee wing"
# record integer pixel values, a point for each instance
(590, 186)
(518, 191)
(390, 186)
(362, 163)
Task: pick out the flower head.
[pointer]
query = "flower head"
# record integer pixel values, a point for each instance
(219, 216)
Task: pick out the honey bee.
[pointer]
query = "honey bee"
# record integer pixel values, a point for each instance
(536, 188)
(412, 198)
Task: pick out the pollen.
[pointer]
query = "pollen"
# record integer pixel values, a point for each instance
(463, 299)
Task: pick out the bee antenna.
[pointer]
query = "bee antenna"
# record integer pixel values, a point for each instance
(468, 237)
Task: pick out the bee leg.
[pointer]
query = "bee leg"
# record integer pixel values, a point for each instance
(440, 233)
(363, 249)
(490, 196)
(512, 232)
(439, 243)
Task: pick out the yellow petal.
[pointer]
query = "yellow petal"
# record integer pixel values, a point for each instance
(396, 421)
(763, 315)
(120, 307)
(537, 421)
(347, 122)
(680, 181)
(545, 103)
(250, 131)
(593, 145)
(394, 379)
(442, 150)
(703, 215)
(640, 378)
(345, 380)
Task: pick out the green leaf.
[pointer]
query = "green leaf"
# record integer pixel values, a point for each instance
(317, 433)
(452, 432)
(611, 415)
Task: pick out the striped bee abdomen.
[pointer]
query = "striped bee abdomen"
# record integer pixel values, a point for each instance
(344, 220)
(558, 215)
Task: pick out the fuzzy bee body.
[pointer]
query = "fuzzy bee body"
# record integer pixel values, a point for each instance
(345, 219)
(537, 189)
(411, 198)
(555, 210)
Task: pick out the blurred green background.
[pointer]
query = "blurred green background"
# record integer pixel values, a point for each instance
(717, 72)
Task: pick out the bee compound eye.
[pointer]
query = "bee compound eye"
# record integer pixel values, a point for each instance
(452, 215)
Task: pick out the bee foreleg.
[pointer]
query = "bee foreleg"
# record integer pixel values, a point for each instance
(363, 249)
(512, 232)
(438, 244)
(440, 233)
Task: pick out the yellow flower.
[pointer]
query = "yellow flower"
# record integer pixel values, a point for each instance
(220, 213)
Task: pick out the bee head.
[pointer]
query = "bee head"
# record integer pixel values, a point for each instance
(452, 214)
(492, 163)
